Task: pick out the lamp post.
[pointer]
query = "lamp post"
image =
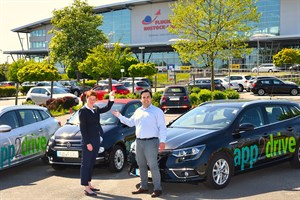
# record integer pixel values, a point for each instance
(142, 53)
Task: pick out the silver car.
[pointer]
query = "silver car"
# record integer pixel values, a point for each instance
(24, 133)
(40, 94)
(139, 86)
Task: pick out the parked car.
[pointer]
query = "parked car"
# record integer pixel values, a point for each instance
(106, 82)
(274, 86)
(64, 148)
(295, 67)
(255, 78)
(232, 85)
(24, 133)
(266, 67)
(39, 95)
(175, 96)
(205, 83)
(218, 139)
(241, 80)
(55, 83)
(140, 79)
(74, 87)
(139, 86)
(101, 90)
(7, 83)
(28, 84)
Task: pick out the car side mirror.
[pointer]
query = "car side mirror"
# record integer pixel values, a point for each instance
(5, 128)
(47, 93)
(245, 127)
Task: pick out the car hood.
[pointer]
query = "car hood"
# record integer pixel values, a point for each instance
(73, 131)
(183, 137)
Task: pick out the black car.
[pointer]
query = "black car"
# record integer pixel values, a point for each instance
(64, 148)
(205, 83)
(175, 96)
(274, 86)
(218, 139)
(75, 87)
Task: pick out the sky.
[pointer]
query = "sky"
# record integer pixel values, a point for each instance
(17, 13)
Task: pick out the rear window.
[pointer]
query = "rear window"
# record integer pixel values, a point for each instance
(145, 84)
(175, 90)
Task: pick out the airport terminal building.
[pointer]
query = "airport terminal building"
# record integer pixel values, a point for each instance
(142, 25)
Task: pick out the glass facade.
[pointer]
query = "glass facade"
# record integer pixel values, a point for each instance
(270, 18)
(38, 33)
(117, 26)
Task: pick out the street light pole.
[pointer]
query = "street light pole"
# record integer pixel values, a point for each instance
(142, 53)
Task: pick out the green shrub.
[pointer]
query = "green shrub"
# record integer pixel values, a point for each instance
(205, 95)
(133, 96)
(232, 94)
(28, 102)
(90, 83)
(217, 94)
(7, 91)
(194, 99)
(195, 90)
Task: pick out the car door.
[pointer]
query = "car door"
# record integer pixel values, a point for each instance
(280, 87)
(248, 147)
(33, 138)
(9, 143)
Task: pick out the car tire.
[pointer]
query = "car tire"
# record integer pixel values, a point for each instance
(294, 92)
(241, 88)
(117, 159)
(295, 162)
(219, 171)
(270, 70)
(261, 92)
(58, 167)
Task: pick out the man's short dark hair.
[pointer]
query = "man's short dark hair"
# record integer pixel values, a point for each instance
(146, 90)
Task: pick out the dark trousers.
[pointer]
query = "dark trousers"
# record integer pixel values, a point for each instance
(87, 163)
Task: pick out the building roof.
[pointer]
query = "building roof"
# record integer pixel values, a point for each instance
(100, 9)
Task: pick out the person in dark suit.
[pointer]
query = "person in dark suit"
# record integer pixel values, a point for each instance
(91, 130)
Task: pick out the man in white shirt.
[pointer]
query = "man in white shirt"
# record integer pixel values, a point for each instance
(150, 138)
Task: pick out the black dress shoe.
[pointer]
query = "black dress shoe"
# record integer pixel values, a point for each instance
(156, 193)
(140, 191)
(95, 189)
(93, 194)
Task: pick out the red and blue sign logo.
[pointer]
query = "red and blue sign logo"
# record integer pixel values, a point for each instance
(148, 19)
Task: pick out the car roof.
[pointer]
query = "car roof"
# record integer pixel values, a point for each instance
(122, 101)
(245, 102)
(14, 107)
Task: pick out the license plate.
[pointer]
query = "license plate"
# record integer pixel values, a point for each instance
(68, 154)
(174, 98)
(137, 173)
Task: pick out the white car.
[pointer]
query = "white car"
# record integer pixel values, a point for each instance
(138, 86)
(266, 67)
(233, 85)
(241, 80)
(24, 133)
(39, 95)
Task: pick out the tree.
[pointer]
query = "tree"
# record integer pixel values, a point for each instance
(105, 61)
(127, 62)
(206, 28)
(35, 71)
(76, 32)
(141, 69)
(286, 56)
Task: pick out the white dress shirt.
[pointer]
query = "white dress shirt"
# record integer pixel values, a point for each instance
(149, 122)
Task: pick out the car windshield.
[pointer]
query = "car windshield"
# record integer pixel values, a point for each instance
(105, 118)
(207, 117)
(58, 91)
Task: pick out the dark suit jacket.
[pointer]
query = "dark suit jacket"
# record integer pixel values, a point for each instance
(90, 122)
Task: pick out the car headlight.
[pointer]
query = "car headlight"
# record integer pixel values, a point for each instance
(191, 153)
(51, 140)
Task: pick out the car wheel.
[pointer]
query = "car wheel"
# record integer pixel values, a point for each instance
(219, 171)
(116, 159)
(294, 92)
(58, 167)
(76, 93)
(295, 162)
(261, 92)
(241, 88)
(270, 70)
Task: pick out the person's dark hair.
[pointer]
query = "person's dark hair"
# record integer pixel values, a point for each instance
(146, 90)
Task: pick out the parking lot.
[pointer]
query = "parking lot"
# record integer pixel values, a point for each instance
(37, 180)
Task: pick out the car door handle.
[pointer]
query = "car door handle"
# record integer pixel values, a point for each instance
(233, 143)
(41, 130)
(290, 129)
